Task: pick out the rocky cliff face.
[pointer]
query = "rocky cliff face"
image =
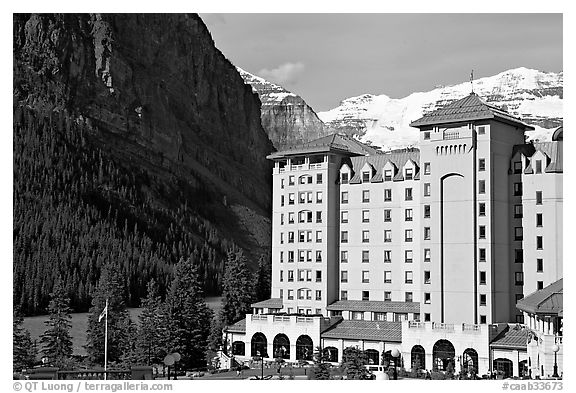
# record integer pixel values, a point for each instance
(285, 116)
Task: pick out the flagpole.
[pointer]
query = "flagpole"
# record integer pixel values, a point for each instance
(106, 340)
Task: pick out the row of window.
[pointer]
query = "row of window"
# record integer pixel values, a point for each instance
(304, 236)
(408, 276)
(302, 294)
(303, 197)
(302, 275)
(408, 256)
(408, 215)
(408, 235)
(304, 179)
(304, 216)
(408, 296)
(303, 256)
(408, 194)
(518, 167)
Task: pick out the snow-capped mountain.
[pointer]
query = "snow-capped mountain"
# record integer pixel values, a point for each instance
(284, 115)
(534, 96)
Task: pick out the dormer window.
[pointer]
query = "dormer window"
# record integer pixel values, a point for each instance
(365, 177)
(388, 175)
(409, 173)
(344, 178)
(538, 168)
(518, 167)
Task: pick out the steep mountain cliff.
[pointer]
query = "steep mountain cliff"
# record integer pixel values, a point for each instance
(285, 116)
(534, 96)
(135, 142)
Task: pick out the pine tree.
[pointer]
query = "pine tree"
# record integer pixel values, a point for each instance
(353, 362)
(263, 278)
(148, 343)
(111, 288)
(56, 339)
(321, 368)
(188, 318)
(238, 288)
(23, 352)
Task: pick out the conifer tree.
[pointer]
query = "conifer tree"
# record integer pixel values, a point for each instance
(111, 288)
(321, 368)
(56, 340)
(149, 340)
(238, 288)
(353, 362)
(23, 352)
(188, 318)
(263, 278)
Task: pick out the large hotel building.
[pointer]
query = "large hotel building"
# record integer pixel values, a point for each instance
(450, 252)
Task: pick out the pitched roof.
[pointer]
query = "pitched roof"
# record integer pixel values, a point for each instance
(554, 150)
(367, 330)
(338, 143)
(397, 158)
(468, 108)
(238, 327)
(513, 337)
(269, 303)
(548, 300)
(374, 306)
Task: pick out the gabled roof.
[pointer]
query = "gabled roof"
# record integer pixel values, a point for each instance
(514, 337)
(468, 108)
(548, 300)
(238, 327)
(269, 303)
(397, 158)
(366, 330)
(374, 306)
(336, 143)
(554, 150)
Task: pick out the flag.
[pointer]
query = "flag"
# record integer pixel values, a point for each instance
(104, 313)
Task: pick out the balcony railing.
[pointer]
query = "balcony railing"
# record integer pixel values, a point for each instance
(443, 326)
(416, 325)
(451, 135)
(471, 327)
(304, 320)
(257, 317)
(281, 318)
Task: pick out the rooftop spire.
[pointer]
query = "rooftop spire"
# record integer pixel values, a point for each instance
(472, 82)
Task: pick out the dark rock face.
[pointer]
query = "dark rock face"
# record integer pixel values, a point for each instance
(286, 117)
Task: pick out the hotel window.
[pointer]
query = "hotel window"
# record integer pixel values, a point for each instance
(318, 276)
(291, 181)
(427, 297)
(343, 295)
(408, 297)
(408, 215)
(291, 199)
(365, 177)
(519, 278)
(427, 233)
(538, 166)
(539, 285)
(482, 278)
(365, 236)
(344, 276)
(426, 135)
(426, 211)
(426, 168)
(309, 276)
(302, 197)
(305, 179)
(519, 318)
(281, 256)
(357, 315)
(387, 194)
(387, 277)
(281, 275)
(301, 293)
(427, 317)
(365, 215)
(408, 256)
(302, 236)
(387, 236)
(290, 256)
(379, 316)
(388, 175)
(481, 130)
(482, 232)
(427, 277)
(517, 189)
(318, 216)
(343, 256)
(387, 296)
(318, 297)
(318, 196)
(318, 256)
(408, 277)
(282, 183)
(481, 186)
(290, 237)
(344, 237)
(408, 235)
(539, 265)
(281, 294)
(538, 197)
(518, 233)
(366, 196)
(426, 189)
(365, 295)
(483, 319)
(344, 217)
(365, 276)
(387, 215)
(305, 216)
(481, 164)
(318, 178)
(281, 218)
(517, 167)
(538, 219)
(281, 200)
(517, 211)
(518, 255)
(301, 275)
(482, 209)
(281, 238)
(539, 242)
(290, 294)
(291, 218)
(344, 178)
(365, 256)
(387, 256)
(482, 255)
(427, 254)
(290, 278)
(482, 300)
(519, 297)
(344, 197)
(318, 236)
(409, 173)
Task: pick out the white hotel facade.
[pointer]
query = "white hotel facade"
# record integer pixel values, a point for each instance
(426, 250)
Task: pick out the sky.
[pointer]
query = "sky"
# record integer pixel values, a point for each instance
(326, 58)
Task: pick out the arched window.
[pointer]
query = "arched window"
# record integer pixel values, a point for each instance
(281, 346)
(503, 366)
(372, 355)
(238, 348)
(470, 360)
(331, 354)
(258, 345)
(304, 216)
(443, 354)
(305, 179)
(304, 348)
(418, 360)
